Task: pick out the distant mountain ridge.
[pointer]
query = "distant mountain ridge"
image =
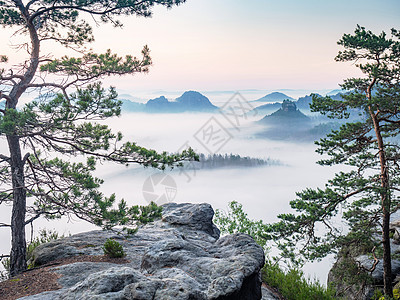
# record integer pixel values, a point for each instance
(288, 114)
(189, 101)
(192, 101)
(290, 123)
(302, 103)
(287, 123)
(274, 97)
(267, 108)
(335, 92)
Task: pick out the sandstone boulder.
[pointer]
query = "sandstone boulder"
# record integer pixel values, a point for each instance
(178, 257)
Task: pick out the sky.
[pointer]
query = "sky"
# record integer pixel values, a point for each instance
(217, 45)
(253, 44)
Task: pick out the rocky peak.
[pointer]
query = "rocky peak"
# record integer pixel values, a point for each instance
(288, 106)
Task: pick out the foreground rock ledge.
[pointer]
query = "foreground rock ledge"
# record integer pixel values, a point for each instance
(179, 257)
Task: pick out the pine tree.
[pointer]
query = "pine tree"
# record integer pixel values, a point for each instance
(366, 195)
(38, 175)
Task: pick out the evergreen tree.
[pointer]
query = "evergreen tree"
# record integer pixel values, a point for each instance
(366, 195)
(38, 175)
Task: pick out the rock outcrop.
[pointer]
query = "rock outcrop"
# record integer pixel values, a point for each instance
(178, 257)
(287, 115)
(287, 123)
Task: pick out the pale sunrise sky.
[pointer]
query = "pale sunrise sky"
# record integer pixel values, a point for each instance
(209, 45)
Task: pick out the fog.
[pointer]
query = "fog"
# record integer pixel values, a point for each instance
(263, 191)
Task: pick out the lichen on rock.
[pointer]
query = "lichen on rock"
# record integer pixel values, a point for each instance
(178, 257)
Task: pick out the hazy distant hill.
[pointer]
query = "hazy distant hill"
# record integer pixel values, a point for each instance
(288, 114)
(130, 106)
(287, 123)
(160, 104)
(190, 101)
(335, 92)
(194, 101)
(304, 102)
(274, 97)
(268, 108)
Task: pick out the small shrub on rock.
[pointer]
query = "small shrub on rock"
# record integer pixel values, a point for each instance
(113, 249)
(293, 285)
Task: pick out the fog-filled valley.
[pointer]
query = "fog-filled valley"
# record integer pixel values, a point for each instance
(200, 150)
(264, 191)
(281, 165)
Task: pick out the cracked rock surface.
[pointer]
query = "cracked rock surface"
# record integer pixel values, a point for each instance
(179, 257)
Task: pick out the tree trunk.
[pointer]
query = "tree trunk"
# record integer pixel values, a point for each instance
(385, 200)
(387, 259)
(385, 196)
(385, 204)
(18, 242)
